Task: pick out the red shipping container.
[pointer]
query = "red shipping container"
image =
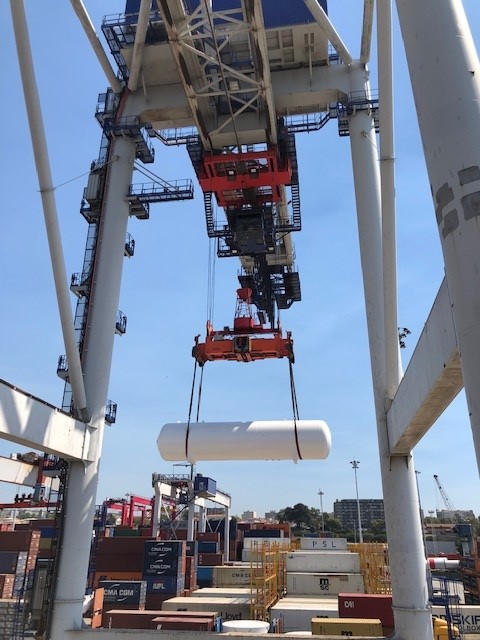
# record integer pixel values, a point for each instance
(208, 536)
(210, 559)
(121, 619)
(366, 605)
(117, 545)
(119, 562)
(108, 606)
(20, 541)
(155, 600)
(182, 624)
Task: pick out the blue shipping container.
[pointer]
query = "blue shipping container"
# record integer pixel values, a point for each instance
(205, 573)
(208, 547)
(204, 486)
(124, 591)
(167, 584)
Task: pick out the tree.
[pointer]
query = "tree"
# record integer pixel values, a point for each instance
(302, 518)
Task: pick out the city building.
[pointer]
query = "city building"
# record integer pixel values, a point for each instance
(271, 515)
(249, 515)
(458, 515)
(347, 512)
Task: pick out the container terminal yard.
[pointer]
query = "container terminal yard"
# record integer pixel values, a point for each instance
(234, 82)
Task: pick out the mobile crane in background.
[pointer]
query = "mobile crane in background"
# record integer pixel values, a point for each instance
(462, 528)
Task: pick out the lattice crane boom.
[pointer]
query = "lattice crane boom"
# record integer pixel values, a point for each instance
(446, 500)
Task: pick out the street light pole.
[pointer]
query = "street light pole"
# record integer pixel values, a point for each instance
(320, 493)
(355, 464)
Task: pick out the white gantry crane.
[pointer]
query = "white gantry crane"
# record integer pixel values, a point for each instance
(223, 81)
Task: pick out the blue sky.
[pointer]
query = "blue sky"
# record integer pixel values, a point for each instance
(164, 290)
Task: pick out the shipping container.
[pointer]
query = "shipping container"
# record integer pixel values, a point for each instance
(116, 545)
(347, 627)
(208, 536)
(204, 546)
(297, 613)
(323, 562)
(165, 584)
(191, 548)
(222, 592)
(465, 617)
(182, 624)
(227, 608)
(323, 544)
(231, 576)
(131, 592)
(119, 562)
(263, 533)
(366, 605)
(10, 560)
(209, 559)
(115, 575)
(254, 541)
(319, 584)
(20, 541)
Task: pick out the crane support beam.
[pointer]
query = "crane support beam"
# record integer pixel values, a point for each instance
(318, 12)
(18, 472)
(31, 422)
(94, 40)
(258, 40)
(366, 42)
(172, 13)
(432, 380)
(139, 44)
(47, 191)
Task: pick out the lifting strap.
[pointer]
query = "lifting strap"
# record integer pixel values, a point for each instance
(191, 404)
(295, 408)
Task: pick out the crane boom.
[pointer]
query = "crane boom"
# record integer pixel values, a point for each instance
(446, 500)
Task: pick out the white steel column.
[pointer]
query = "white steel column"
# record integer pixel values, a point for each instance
(83, 479)
(157, 509)
(226, 535)
(191, 515)
(410, 594)
(202, 519)
(47, 192)
(445, 75)
(387, 177)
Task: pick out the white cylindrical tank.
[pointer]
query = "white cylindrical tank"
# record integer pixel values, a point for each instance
(257, 440)
(443, 564)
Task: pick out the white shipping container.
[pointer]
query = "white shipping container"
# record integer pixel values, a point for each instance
(281, 543)
(324, 583)
(225, 576)
(296, 613)
(323, 544)
(323, 562)
(466, 616)
(222, 592)
(227, 608)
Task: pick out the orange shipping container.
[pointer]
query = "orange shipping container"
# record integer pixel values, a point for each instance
(116, 575)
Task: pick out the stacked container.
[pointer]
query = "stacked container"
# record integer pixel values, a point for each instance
(316, 574)
(119, 559)
(163, 570)
(191, 551)
(18, 557)
(124, 595)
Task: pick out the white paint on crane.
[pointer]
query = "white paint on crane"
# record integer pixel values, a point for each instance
(257, 440)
